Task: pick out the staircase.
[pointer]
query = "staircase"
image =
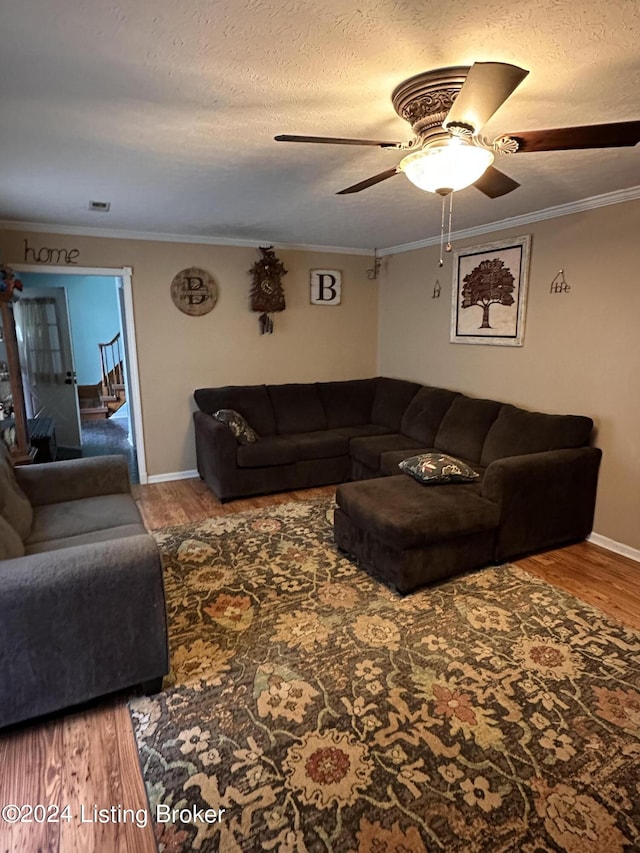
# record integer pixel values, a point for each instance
(100, 401)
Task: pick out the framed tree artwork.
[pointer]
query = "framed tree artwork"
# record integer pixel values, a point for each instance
(489, 294)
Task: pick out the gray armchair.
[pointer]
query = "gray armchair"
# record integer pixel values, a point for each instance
(82, 609)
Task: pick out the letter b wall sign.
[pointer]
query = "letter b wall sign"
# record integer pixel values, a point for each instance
(326, 287)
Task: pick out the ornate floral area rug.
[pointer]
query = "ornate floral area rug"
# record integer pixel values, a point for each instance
(310, 708)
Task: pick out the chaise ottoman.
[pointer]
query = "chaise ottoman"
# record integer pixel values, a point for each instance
(408, 534)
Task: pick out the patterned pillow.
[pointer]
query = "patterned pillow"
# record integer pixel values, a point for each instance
(238, 426)
(434, 468)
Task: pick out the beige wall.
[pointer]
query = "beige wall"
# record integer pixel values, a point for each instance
(581, 350)
(178, 353)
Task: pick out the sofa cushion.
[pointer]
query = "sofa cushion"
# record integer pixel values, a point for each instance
(243, 433)
(433, 469)
(323, 444)
(251, 401)
(391, 399)
(297, 407)
(369, 449)
(108, 534)
(516, 432)
(11, 545)
(362, 430)
(403, 514)
(270, 450)
(75, 518)
(347, 403)
(14, 504)
(464, 428)
(390, 459)
(425, 412)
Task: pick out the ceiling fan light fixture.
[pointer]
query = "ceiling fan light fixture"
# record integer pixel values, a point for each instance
(452, 164)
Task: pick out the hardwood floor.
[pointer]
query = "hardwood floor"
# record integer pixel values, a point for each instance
(184, 501)
(604, 579)
(70, 764)
(89, 758)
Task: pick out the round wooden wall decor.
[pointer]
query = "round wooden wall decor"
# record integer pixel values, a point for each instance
(194, 291)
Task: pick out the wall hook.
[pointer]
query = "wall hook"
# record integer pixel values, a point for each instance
(374, 271)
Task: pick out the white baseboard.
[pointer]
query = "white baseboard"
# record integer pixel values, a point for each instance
(616, 547)
(175, 475)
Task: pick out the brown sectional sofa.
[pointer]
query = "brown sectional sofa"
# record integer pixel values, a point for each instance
(536, 489)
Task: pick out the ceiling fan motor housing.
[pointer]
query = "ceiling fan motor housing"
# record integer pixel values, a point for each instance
(425, 100)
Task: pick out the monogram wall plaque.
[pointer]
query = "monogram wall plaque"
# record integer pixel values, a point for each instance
(194, 291)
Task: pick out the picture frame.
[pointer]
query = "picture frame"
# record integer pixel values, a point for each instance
(325, 287)
(489, 293)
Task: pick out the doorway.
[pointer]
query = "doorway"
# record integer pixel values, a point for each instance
(79, 360)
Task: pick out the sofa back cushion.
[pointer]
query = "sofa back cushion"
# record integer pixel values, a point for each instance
(425, 412)
(464, 427)
(251, 401)
(516, 431)
(15, 507)
(347, 403)
(391, 400)
(297, 407)
(11, 545)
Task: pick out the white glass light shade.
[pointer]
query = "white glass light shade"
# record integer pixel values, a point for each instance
(450, 165)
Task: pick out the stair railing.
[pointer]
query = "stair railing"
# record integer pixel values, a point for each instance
(111, 364)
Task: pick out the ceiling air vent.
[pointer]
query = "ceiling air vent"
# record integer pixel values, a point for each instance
(100, 206)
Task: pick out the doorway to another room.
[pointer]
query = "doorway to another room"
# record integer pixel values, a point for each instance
(75, 357)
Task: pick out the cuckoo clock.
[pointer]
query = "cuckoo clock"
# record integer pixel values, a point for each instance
(267, 295)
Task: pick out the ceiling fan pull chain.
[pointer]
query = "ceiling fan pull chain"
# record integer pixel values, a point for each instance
(448, 249)
(441, 262)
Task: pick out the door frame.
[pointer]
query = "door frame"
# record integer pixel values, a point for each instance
(135, 405)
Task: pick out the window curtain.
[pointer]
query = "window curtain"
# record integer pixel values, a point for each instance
(41, 339)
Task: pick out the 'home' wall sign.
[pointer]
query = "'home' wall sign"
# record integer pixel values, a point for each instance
(43, 255)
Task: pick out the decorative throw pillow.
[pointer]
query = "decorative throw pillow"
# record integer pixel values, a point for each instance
(238, 426)
(434, 468)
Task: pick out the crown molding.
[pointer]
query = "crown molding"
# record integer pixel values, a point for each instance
(616, 197)
(591, 203)
(118, 234)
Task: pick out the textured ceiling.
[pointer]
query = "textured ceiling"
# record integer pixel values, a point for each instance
(168, 110)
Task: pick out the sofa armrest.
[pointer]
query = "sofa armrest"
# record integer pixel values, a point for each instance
(216, 452)
(546, 499)
(80, 622)
(73, 479)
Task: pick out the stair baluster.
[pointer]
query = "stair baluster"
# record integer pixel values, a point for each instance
(102, 400)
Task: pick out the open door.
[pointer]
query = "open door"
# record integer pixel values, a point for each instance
(46, 356)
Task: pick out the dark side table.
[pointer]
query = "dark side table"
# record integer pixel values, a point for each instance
(42, 437)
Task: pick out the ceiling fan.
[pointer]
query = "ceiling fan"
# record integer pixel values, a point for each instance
(447, 109)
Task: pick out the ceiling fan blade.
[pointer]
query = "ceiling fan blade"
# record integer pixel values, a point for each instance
(331, 140)
(616, 135)
(381, 176)
(487, 87)
(495, 183)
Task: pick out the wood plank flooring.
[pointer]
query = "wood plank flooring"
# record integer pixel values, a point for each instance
(89, 757)
(75, 761)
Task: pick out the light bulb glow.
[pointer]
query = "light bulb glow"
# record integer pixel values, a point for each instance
(450, 165)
